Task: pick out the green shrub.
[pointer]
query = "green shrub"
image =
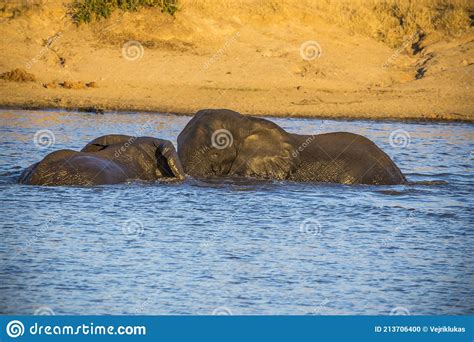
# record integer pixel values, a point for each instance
(84, 11)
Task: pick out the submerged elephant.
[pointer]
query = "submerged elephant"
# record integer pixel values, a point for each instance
(109, 159)
(221, 142)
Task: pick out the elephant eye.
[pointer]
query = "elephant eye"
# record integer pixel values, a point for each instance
(214, 155)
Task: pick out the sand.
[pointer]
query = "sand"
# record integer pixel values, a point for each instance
(286, 63)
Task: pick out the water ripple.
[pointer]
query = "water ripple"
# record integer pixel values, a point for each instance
(252, 247)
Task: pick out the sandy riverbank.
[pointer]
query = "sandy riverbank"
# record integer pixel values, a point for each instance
(261, 57)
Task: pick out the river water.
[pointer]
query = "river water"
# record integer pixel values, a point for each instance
(238, 248)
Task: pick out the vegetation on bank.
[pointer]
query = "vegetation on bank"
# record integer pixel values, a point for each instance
(388, 21)
(84, 11)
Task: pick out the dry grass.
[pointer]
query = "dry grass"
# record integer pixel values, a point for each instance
(390, 21)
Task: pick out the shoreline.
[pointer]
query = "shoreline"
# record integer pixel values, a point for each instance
(289, 64)
(132, 110)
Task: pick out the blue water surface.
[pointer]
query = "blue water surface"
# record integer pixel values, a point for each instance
(238, 247)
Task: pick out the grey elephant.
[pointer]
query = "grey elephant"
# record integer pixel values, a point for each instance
(224, 143)
(109, 159)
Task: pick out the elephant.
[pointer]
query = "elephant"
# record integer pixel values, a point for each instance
(224, 143)
(109, 159)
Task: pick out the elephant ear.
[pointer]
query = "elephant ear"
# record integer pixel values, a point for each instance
(266, 153)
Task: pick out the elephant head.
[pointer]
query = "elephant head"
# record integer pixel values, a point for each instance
(109, 159)
(221, 142)
(157, 157)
